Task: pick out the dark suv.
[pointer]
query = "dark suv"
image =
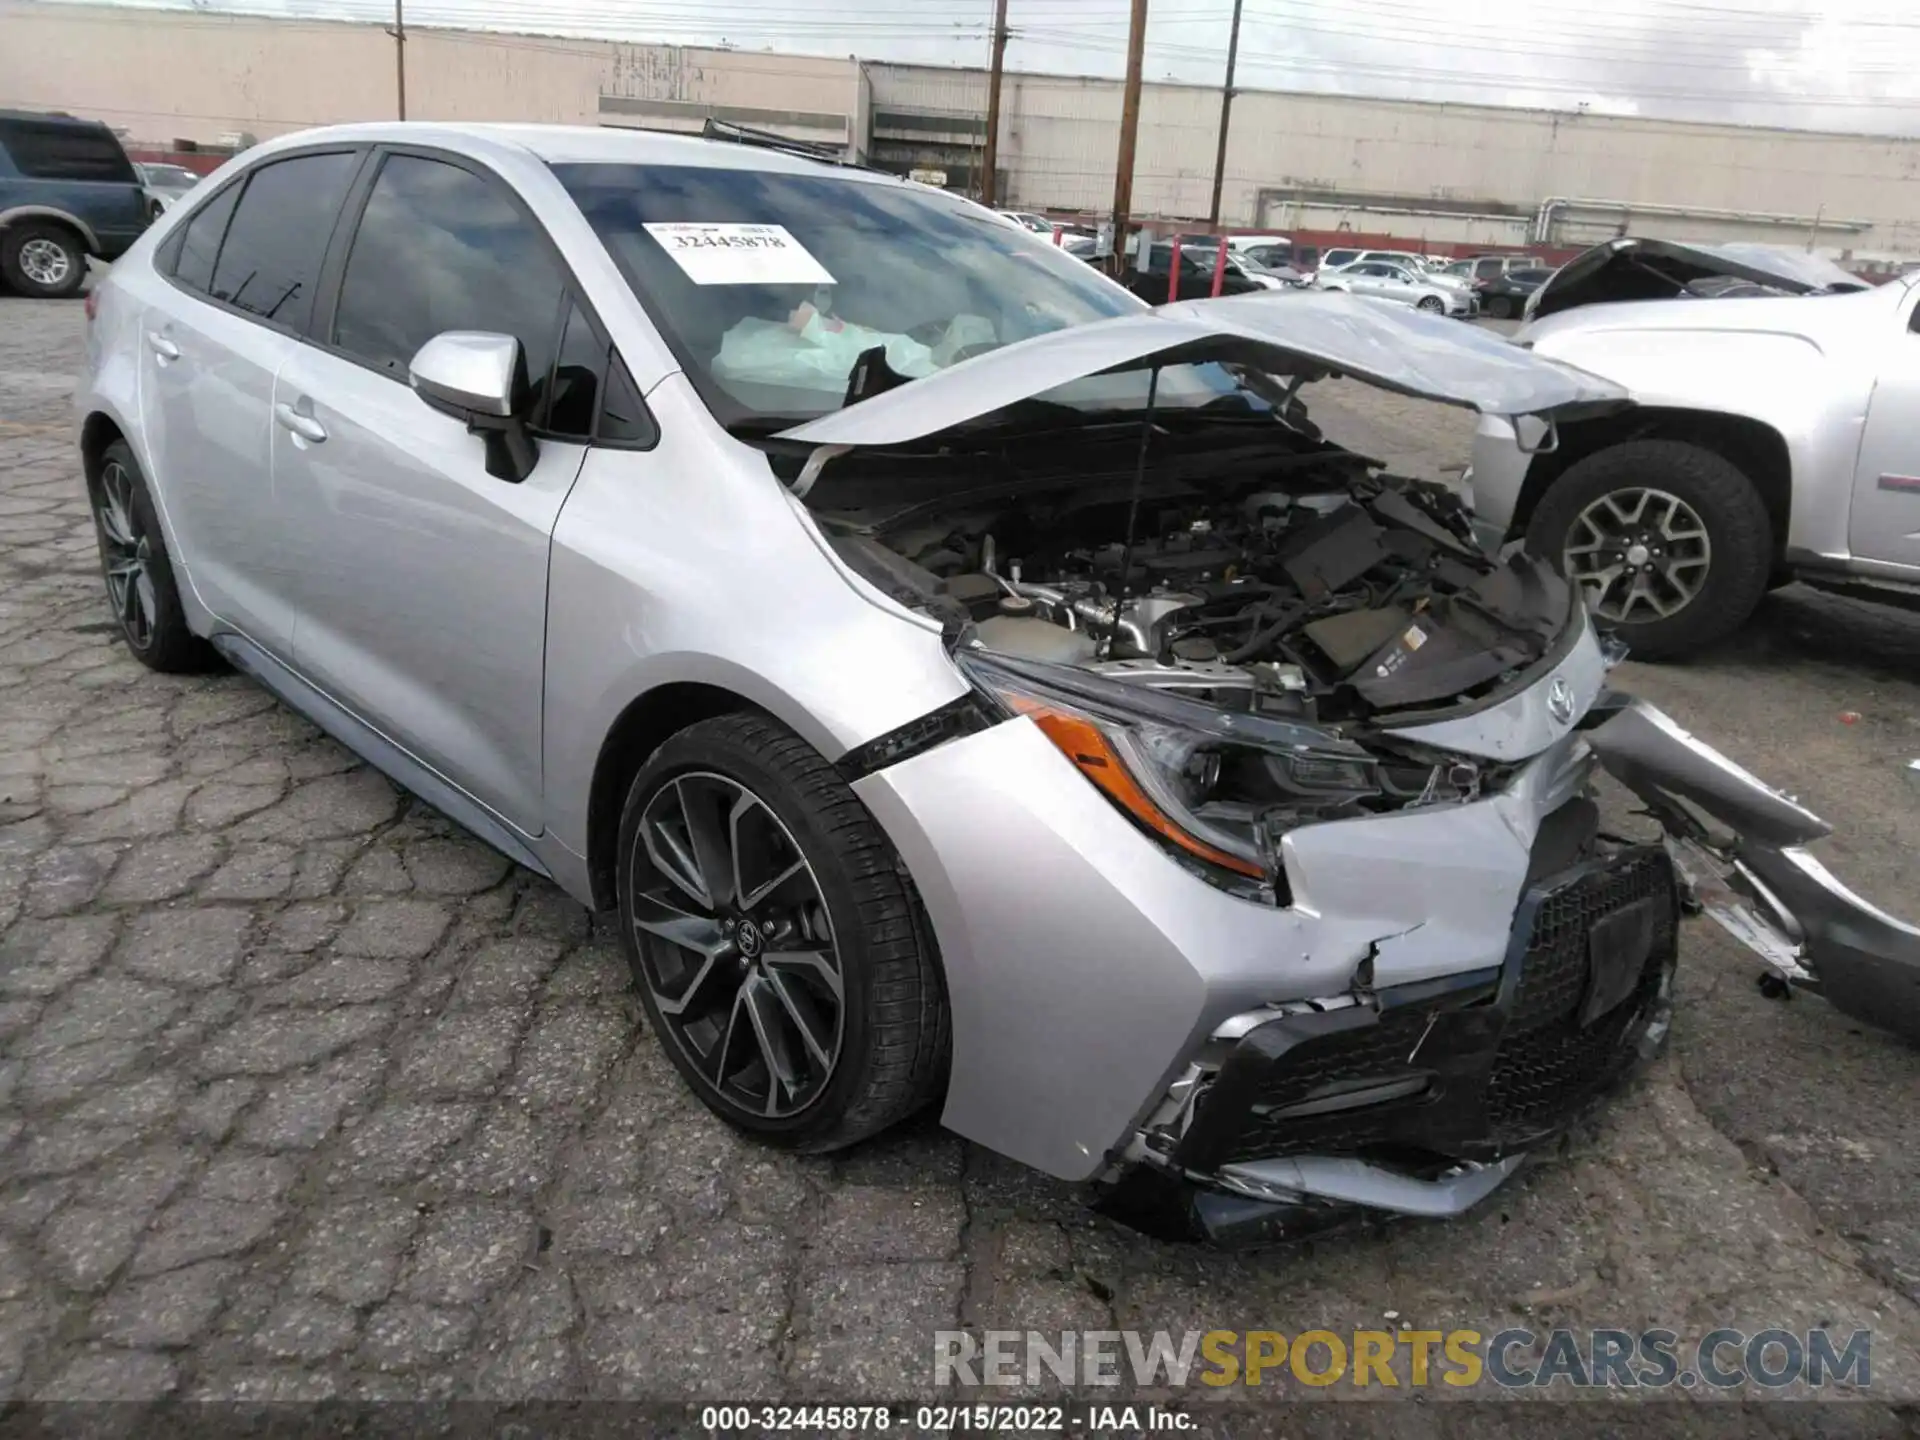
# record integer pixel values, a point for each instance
(67, 191)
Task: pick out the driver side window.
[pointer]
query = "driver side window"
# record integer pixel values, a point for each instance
(440, 248)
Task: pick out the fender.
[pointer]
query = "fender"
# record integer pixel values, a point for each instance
(1811, 392)
(15, 214)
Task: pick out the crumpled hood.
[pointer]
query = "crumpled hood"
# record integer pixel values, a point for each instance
(1632, 269)
(1298, 333)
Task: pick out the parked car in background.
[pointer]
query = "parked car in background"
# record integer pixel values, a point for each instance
(1277, 255)
(1251, 242)
(1387, 281)
(1040, 225)
(1286, 276)
(1338, 257)
(163, 183)
(1776, 437)
(1485, 267)
(1196, 275)
(1315, 804)
(1412, 261)
(1504, 296)
(1237, 264)
(67, 191)
(1027, 220)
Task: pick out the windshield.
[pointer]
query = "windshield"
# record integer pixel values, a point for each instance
(769, 287)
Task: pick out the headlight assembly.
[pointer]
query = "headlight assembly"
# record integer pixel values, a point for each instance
(1218, 787)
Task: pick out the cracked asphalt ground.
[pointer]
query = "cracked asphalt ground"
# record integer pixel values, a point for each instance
(304, 1093)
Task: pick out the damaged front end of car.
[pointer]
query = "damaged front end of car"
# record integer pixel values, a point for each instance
(1400, 952)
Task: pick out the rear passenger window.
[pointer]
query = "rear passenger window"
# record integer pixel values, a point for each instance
(200, 245)
(65, 152)
(441, 248)
(269, 264)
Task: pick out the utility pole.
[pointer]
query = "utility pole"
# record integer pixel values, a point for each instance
(399, 33)
(1129, 134)
(990, 160)
(1226, 111)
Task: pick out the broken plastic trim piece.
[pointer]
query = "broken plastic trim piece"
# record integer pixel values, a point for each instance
(1357, 1182)
(816, 462)
(1762, 886)
(1549, 438)
(1712, 881)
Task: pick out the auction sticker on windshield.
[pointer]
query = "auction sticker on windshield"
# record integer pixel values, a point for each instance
(725, 254)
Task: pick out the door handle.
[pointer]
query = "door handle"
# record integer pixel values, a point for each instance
(305, 426)
(162, 346)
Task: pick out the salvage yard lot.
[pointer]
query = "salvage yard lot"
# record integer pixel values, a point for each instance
(305, 1093)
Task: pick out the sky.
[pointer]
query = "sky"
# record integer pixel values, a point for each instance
(1840, 65)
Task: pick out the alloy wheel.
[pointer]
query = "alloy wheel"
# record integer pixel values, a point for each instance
(45, 262)
(128, 553)
(736, 948)
(1640, 554)
(1432, 302)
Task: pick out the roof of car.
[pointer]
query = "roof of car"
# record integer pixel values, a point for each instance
(594, 145)
(46, 117)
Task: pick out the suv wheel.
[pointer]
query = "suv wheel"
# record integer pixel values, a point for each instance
(139, 574)
(1499, 307)
(779, 950)
(42, 259)
(1670, 541)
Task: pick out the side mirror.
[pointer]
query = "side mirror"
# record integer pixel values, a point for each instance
(481, 378)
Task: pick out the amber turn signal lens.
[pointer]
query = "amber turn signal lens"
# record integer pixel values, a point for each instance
(1081, 741)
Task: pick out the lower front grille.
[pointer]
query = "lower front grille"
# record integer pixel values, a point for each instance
(1489, 1067)
(1548, 1063)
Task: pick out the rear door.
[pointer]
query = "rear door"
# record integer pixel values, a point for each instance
(421, 579)
(1885, 521)
(243, 274)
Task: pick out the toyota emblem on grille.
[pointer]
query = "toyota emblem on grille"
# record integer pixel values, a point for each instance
(1560, 699)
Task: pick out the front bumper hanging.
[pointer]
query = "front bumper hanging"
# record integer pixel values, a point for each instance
(1423, 1099)
(1755, 878)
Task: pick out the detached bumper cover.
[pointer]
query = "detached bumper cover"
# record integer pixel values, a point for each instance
(1760, 885)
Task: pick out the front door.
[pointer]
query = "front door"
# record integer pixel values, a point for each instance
(423, 579)
(1885, 523)
(243, 284)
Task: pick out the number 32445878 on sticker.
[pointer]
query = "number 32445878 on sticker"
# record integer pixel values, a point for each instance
(738, 254)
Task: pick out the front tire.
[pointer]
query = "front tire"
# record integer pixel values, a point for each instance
(1670, 540)
(779, 950)
(1499, 307)
(1432, 304)
(42, 260)
(138, 570)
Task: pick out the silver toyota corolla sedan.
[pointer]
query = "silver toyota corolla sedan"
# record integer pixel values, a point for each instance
(965, 682)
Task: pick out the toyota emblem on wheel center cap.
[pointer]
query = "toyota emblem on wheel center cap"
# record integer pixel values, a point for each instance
(1560, 699)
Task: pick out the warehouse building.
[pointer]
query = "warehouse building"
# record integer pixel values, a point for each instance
(1448, 175)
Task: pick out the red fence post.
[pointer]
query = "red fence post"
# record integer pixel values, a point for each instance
(1219, 267)
(1173, 269)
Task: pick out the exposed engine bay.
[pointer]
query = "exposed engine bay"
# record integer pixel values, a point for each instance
(1220, 626)
(1325, 590)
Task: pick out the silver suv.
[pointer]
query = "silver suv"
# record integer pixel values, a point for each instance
(964, 681)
